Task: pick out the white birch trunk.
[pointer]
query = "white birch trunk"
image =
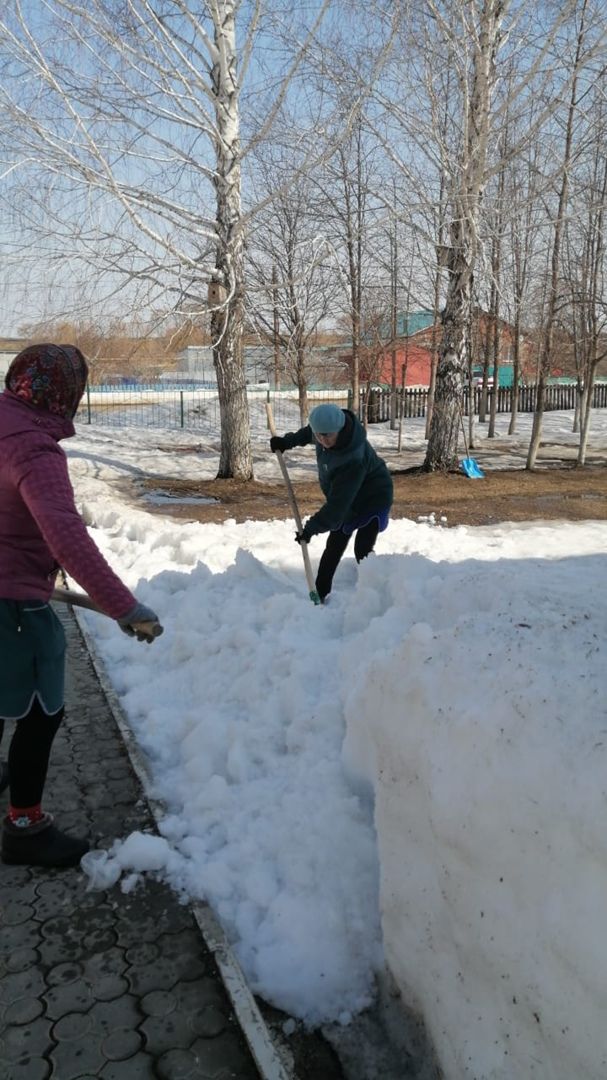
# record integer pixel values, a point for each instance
(465, 207)
(227, 290)
(585, 411)
(453, 357)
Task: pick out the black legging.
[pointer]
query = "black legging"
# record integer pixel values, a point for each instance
(29, 753)
(337, 542)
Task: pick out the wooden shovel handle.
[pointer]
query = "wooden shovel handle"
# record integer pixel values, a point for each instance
(149, 630)
(286, 477)
(304, 547)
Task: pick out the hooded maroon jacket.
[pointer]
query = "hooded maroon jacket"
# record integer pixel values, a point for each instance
(40, 527)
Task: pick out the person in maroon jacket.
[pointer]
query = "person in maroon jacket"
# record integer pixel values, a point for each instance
(41, 531)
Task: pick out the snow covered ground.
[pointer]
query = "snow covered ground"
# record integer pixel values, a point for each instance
(430, 745)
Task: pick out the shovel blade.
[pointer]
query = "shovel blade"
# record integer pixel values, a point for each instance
(471, 468)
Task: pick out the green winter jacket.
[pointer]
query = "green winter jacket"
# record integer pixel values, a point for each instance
(354, 479)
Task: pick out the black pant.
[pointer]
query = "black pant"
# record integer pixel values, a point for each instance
(336, 544)
(29, 753)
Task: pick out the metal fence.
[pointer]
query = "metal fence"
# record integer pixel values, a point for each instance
(196, 408)
(190, 408)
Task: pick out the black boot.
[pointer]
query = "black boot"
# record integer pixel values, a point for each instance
(40, 845)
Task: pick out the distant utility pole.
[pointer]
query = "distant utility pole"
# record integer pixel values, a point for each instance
(276, 327)
(394, 320)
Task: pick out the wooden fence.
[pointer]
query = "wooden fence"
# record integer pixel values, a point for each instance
(413, 402)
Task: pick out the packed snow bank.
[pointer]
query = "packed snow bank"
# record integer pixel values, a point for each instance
(487, 750)
(461, 667)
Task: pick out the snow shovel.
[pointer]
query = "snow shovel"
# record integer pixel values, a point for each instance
(314, 597)
(145, 631)
(469, 465)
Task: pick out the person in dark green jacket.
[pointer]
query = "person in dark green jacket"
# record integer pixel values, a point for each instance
(356, 483)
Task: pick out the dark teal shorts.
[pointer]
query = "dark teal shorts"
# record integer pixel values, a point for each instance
(32, 658)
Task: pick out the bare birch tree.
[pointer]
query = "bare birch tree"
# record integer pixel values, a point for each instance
(127, 118)
(484, 25)
(559, 223)
(522, 198)
(584, 262)
(288, 261)
(477, 42)
(345, 196)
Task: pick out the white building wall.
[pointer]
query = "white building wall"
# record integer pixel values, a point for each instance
(6, 359)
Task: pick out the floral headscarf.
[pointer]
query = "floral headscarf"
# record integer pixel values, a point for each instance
(51, 377)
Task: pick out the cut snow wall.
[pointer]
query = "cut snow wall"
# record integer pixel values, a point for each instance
(483, 732)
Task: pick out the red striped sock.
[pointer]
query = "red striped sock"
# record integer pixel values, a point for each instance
(25, 815)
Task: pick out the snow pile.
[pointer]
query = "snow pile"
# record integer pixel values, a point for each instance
(461, 667)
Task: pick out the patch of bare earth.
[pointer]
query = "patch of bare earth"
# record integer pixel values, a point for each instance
(566, 494)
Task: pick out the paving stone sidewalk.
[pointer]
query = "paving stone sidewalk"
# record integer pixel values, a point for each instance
(104, 984)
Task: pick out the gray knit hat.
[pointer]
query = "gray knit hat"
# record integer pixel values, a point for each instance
(325, 419)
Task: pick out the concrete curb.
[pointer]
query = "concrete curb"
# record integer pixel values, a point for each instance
(273, 1063)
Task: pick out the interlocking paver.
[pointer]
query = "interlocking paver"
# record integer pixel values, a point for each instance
(99, 938)
(218, 1058)
(57, 894)
(61, 974)
(24, 936)
(171, 1016)
(180, 1065)
(27, 891)
(105, 984)
(22, 1010)
(159, 1003)
(20, 1043)
(29, 1069)
(73, 1027)
(141, 1067)
(16, 984)
(72, 997)
(77, 1049)
(121, 1044)
(19, 960)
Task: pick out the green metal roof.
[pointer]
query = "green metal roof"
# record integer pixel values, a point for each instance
(408, 323)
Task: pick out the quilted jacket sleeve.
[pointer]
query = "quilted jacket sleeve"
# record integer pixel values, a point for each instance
(303, 437)
(45, 487)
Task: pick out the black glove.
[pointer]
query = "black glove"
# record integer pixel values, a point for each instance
(305, 535)
(278, 443)
(138, 614)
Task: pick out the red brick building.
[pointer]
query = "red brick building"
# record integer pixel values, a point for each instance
(412, 360)
(413, 352)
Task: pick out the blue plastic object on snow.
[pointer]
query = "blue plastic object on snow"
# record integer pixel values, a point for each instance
(468, 465)
(471, 468)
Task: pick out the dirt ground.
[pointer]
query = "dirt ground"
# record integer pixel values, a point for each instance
(569, 493)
